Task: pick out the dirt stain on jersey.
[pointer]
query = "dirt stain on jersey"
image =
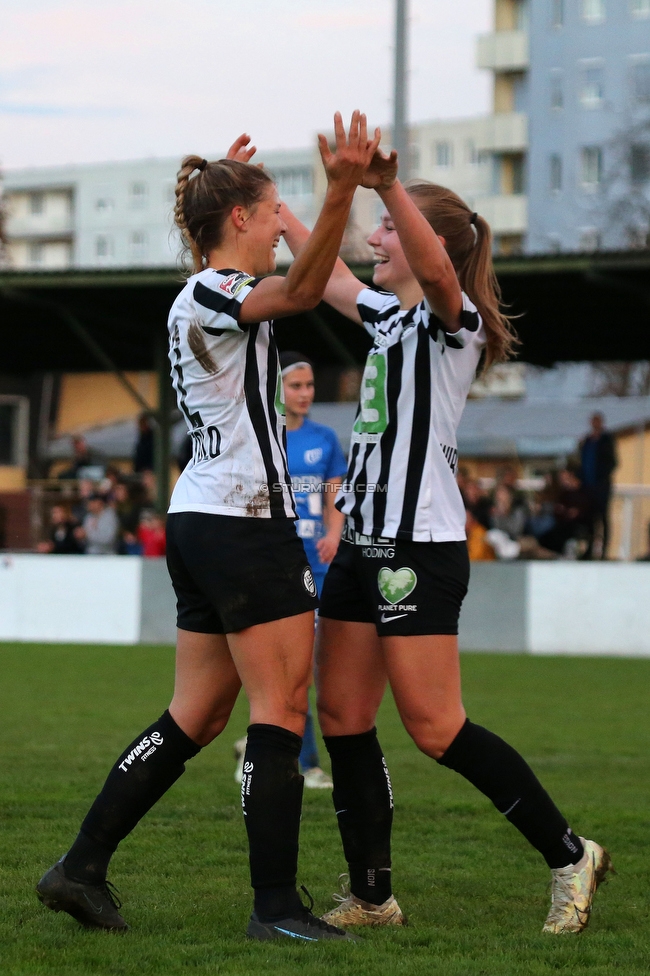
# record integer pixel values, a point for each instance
(258, 503)
(196, 341)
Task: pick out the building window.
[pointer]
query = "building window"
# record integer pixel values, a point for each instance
(103, 204)
(593, 11)
(138, 245)
(557, 13)
(295, 182)
(103, 246)
(471, 153)
(640, 164)
(37, 254)
(169, 192)
(138, 196)
(443, 154)
(591, 167)
(555, 172)
(37, 203)
(592, 86)
(640, 8)
(557, 89)
(640, 76)
(589, 239)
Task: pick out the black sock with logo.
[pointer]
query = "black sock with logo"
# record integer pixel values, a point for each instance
(271, 794)
(143, 773)
(363, 800)
(499, 772)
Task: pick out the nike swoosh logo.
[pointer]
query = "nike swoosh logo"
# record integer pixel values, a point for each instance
(97, 911)
(385, 619)
(294, 935)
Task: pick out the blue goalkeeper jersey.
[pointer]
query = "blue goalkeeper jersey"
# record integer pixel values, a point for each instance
(315, 456)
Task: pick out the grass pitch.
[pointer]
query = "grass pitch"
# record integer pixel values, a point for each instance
(475, 893)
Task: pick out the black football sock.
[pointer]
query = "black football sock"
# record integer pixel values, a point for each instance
(142, 774)
(363, 800)
(498, 771)
(271, 793)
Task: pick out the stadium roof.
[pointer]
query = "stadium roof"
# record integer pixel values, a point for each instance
(574, 307)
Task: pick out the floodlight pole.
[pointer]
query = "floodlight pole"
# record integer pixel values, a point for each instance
(400, 124)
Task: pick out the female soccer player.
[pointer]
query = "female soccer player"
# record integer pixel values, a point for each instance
(392, 596)
(245, 593)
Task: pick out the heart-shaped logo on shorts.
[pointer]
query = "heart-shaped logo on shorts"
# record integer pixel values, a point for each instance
(396, 586)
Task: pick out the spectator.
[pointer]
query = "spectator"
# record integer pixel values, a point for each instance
(478, 548)
(573, 518)
(597, 463)
(85, 489)
(507, 516)
(143, 456)
(101, 528)
(476, 501)
(151, 534)
(541, 511)
(83, 458)
(64, 532)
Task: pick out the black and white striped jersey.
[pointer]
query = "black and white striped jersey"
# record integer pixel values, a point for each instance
(401, 480)
(229, 389)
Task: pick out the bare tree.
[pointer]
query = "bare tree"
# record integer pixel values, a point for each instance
(4, 256)
(626, 184)
(620, 379)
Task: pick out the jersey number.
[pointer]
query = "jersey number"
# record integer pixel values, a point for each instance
(373, 417)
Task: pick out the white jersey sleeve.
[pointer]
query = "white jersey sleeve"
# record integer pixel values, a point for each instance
(376, 307)
(218, 296)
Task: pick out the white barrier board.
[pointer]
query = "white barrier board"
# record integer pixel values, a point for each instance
(76, 599)
(588, 608)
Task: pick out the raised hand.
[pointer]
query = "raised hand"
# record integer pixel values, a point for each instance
(240, 151)
(347, 165)
(382, 171)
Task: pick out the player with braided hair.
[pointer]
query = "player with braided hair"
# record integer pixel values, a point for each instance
(245, 594)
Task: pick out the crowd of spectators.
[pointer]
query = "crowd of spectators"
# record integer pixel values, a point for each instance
(556, 521)
(113, 513)
(112, 517)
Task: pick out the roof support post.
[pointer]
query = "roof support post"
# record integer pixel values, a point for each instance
(162, 434)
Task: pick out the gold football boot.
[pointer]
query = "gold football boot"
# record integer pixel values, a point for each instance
(573, 890)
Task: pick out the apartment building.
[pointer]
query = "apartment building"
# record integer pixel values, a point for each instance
(109, 215)
(589, 110)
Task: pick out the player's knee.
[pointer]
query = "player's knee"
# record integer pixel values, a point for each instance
(433, 737)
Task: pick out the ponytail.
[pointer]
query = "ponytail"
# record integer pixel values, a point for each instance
(204, 201)
(468, 241)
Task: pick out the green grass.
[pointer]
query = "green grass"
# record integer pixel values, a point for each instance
(475, 893)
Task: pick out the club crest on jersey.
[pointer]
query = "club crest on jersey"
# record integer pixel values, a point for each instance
(308, 581)
(314, 455)
(234, 283)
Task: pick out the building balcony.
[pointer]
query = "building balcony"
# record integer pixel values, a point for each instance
(503, 51)
(505, 132)
(40, 227)
(506, 214)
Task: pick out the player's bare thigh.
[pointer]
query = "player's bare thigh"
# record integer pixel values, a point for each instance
(424, 675)
(206, 685)
(274, 662)
(350, 676)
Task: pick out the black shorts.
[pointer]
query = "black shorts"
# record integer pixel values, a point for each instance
(403, 588)
(230, 573)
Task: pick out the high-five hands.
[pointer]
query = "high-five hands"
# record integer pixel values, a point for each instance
(240, 151)
(347, 165)
(382, 171)
(356, 160)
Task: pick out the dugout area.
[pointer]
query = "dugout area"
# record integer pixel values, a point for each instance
(571, 307)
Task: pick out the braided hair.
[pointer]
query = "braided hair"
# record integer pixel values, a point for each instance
(204, 201)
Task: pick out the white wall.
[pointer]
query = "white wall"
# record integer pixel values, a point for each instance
(76, 599)
(589, 608)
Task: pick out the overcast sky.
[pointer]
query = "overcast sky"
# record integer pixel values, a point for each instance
(93, 80)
